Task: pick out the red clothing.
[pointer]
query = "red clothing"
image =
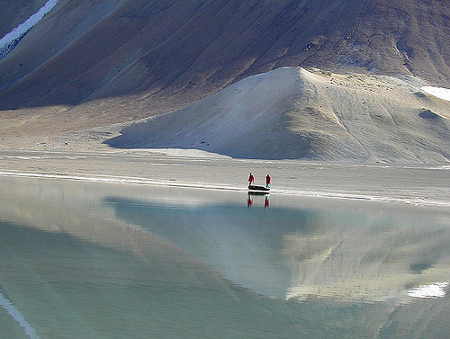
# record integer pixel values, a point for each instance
(251, 179)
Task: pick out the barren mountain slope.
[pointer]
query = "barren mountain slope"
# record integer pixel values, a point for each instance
(98, 62)
(290, 113)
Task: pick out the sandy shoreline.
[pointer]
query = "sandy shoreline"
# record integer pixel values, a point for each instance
(421, 185)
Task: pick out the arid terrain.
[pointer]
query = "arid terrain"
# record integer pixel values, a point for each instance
(340, 81)
(129, 128)
(92, 64)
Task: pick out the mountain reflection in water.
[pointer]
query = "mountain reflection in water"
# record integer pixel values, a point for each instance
(102, 260)
(350, 254)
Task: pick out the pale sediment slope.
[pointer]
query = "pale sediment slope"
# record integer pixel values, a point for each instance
(292, 113)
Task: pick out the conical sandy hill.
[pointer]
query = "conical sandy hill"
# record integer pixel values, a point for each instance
(293, 113)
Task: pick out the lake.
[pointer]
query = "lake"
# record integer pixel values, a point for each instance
(109, 260)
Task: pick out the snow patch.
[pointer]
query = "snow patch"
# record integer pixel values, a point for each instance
(436, 290)
(438, 92)
(10, 40)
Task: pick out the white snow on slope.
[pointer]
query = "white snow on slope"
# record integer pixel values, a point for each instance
(436, 290)
(438, 92)
(10, 40)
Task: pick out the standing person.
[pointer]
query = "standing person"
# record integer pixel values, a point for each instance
(268, 180)
(251, 179)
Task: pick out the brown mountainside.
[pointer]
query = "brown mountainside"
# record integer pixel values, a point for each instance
(161, 55)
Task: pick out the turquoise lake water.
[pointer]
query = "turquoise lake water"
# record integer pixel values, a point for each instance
(102, 260)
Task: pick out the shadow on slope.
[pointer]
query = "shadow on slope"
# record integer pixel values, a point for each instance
(290, 113)
(169, 53)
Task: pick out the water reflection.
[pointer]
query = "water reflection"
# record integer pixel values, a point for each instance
(241, 245)
(95, 260)
(351, 254)
(251, 196)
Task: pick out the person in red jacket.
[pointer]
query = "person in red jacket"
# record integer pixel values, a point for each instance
(268, 180)
(251, 179)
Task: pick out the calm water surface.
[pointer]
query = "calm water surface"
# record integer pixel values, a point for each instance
(96, 260)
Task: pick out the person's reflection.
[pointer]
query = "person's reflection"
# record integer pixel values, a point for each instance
(249, 201)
